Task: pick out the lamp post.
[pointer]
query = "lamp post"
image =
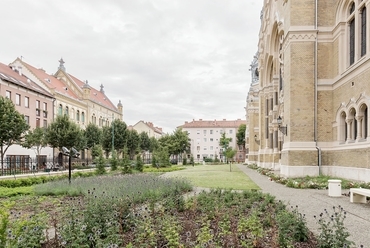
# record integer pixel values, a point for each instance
(71, 152)
(283, 129)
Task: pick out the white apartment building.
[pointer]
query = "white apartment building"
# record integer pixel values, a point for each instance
(205, 138)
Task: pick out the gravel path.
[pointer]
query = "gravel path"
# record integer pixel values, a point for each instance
(313, 202)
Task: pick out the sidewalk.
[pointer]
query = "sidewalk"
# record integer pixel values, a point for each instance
(313, 202)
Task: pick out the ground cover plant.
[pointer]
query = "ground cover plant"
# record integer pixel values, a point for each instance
(152, 216)
(148, 210)
(308, 182)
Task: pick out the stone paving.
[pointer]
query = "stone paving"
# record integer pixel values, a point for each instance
(313, 202)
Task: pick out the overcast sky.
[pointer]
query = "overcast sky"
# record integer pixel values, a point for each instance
(168, 61)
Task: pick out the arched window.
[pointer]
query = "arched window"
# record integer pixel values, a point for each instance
(67, 111)
(83, 117)
(363, 31)
(357, 30)
(352, 125)
(343, 127)
(351, 34)
(73, 113)
(60, 109)
(78, 115)
(362, 122)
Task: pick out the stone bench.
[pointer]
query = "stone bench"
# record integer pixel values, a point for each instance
(359, 195)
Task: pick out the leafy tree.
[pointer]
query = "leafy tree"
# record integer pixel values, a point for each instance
(176, 143)
(224, 143)
(154, 144)
(118, 128)
(106, 140)
(139, 163)
(64, 133)
(230, 153)
(181, 143)
(100, 164)
(12, 127)
(114, 161)
(35, 139)
(240, 135)
(144, 141)
(161, 157)
(133, 142)
(93, 135)
(125, 162)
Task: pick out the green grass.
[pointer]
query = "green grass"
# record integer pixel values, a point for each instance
(216, 176)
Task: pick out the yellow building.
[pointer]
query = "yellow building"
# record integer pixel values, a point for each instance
(313, 90)
(82, 103)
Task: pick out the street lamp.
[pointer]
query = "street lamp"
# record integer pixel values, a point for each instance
(70, 153)
(283, 129)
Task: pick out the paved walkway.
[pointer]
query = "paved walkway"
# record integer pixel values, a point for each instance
(313, 202)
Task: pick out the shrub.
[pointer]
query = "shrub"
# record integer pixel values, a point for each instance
(332, 230)
(139, 166)
(292, 227)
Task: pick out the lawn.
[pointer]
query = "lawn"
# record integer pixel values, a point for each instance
(216, 176)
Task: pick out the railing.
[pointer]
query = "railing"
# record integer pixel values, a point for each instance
(24, 165)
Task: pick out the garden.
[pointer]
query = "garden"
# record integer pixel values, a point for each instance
(151, 210)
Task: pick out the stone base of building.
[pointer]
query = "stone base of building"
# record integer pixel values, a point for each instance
(358, 174)
(298, 171)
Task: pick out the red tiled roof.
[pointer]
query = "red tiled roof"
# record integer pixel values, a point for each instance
(95, 95)
(215, 123)
(50, 81)
(8, 74)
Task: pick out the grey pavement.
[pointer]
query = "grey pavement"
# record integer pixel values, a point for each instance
(313, 202)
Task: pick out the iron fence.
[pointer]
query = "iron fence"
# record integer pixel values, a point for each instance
(13, 165)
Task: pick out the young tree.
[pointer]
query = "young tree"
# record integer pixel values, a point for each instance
(240, 135)
(154, 144)
(35, 139)
(12, 127)
(144, 141)
(133, 142)
(224, 143)
(116, 133)
(100, 164)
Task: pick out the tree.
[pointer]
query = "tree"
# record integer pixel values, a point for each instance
(176, 143)
(154, 144)
(240, 135)
(144, 141)
(181, 142)
(100, 164)
(64, 133)
(35, 139)
(119, 130)
(133, 142)
(12, 127)
(92, 135)
(224, 143)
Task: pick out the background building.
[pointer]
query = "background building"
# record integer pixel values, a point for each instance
(35, 103)
(205, 137)
(70, 96)
(148, 128)
(313, 67)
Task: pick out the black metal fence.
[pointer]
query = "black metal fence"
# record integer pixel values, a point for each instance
(13, 165)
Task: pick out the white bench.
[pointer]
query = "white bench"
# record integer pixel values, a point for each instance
(359, 195)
